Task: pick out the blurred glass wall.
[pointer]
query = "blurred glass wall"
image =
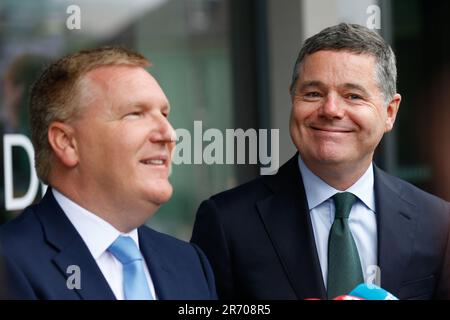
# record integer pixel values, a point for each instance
(188, 44)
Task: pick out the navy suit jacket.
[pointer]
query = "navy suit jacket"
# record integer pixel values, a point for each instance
(40, 245)
(259, 239)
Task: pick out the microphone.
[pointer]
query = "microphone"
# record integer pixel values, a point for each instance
(365, 292)
(348, 297)
(342, 297)
(372, 292)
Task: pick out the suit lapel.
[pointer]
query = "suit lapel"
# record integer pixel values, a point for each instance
(71, 250)
(163, 278)
(286, 218)
(396, 225)
(93, 284)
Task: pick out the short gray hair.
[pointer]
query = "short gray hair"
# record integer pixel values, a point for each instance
(357, 39)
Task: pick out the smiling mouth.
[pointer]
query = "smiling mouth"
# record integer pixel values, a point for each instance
(153, 162)
(332, 130)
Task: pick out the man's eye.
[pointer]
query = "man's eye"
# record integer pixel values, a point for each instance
(313, 94)
(354, 97)
(133, 115)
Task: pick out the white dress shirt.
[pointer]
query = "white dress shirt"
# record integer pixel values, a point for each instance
(98, 235)
(362, 219)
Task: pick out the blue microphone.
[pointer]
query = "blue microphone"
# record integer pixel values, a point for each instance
(371, 292)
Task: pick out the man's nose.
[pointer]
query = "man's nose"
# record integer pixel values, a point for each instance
(331, 107)
(164, 131)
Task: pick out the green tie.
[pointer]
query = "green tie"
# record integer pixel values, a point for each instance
(344, 267)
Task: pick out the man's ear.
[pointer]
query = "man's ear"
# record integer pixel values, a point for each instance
(62, 141)
(392, 109)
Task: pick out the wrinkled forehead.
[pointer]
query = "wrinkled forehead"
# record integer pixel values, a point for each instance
(106, 75)
(124, 84)
(339, 57)
(340, 65)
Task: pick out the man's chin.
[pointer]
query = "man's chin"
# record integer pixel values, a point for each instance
(328, 159)
(331, 159)
(164, 198)
(161, 195)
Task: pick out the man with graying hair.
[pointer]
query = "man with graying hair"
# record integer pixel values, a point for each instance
(103, 142)
(330, 219)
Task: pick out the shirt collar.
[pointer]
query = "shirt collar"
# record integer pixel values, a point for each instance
(318, 191)
(95, 232)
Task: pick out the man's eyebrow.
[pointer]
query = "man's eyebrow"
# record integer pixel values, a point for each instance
(354, 86)
(312, 83)
(164, 107)
(319, 84)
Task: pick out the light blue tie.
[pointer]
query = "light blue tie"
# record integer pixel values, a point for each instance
(135, 285)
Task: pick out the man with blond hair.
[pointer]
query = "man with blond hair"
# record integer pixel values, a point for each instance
(103, 142)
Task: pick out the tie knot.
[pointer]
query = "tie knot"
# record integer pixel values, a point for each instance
(125, 250)
(343, 202)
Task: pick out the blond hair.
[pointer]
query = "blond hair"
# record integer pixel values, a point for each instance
(57, 94)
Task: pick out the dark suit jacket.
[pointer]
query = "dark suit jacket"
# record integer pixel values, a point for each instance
(259, 239)
(41, 243)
